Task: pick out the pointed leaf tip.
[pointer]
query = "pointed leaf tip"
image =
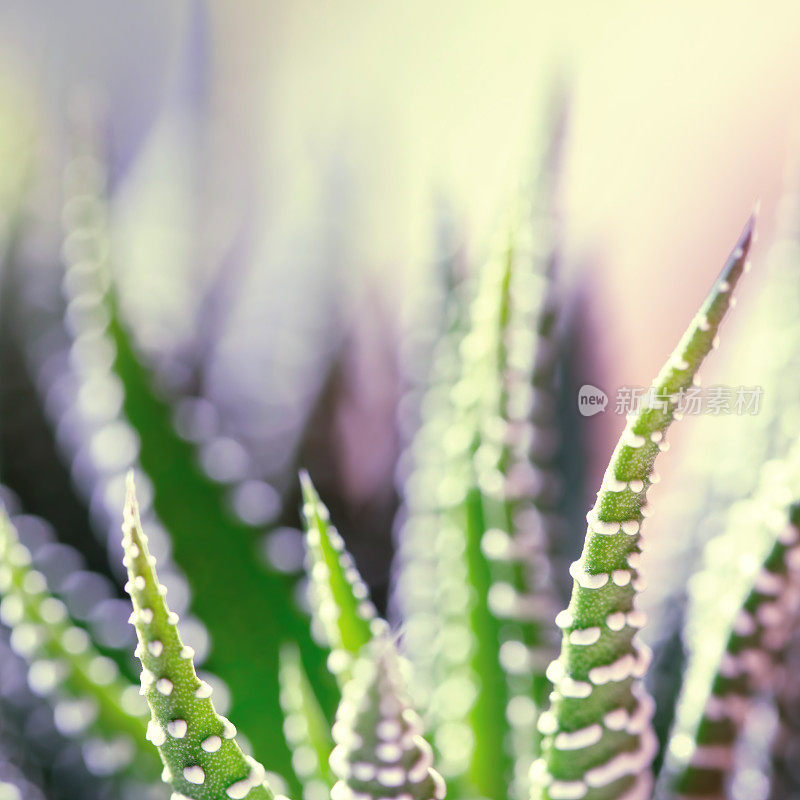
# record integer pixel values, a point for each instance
(202, 758)
(340, 598)
(307, 487)
(599, 644)
(734, 266)
(131, 509)
(380, 750)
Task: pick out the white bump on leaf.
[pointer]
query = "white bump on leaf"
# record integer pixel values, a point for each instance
(211, 744)
(177, 728)
(195, 775)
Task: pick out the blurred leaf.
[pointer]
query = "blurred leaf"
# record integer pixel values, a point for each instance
(305, 726)
(90, 699)
(214, 547)
(379, 747)
(748, 593)
(341, 598)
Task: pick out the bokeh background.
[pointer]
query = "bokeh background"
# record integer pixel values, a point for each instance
(294, 162)
(287, 178)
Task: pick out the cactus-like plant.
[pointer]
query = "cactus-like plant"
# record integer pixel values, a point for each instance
(340, 596)
(90, 698)
(202, 759)
(379, 749)
(753, 600)
(475, 603)
(598, 737)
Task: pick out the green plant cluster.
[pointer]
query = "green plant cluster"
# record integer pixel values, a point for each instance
(484, 689)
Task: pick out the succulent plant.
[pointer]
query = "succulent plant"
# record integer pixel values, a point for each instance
(599, 742)
(198, 747)
(379, 749)
(466, 680)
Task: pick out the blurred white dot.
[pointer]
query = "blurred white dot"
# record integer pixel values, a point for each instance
(315, 790)
(74, 716)
(222, 694)
(86, 314)
(105, 758)
(195, 634)
(521, 712)
(101, 396)
(304, 760)
(108, 624)
(114, 447)
(283, 549)
(92, 353)
(681, 746)
(277, 783)
(196, 419)
(8, 791)
(34, 532)
(224, 459)
(256, 502)
(750, 784)
(84, 590)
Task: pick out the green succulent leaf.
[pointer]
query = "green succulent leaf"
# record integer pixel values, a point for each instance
(753, 569)
(90, 698)
(201, 757)
(306, 729)
(194, 508)
(480, 509)
(340, 596)
(599, 741)
(380, 752)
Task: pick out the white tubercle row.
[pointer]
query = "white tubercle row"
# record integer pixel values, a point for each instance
(240, 789)
(584, 636)
(587, 580)
(602, 528)
(628, 666)
(633, 763)
(632, 439)
(597, 580)
(577, 740)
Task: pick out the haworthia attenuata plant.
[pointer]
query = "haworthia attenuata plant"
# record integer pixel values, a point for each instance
(306, 728)
(599, 741)
(748, 664)
(90, 698)
(745, 603)
(380, 753)
(339, 595)
(196, 509)
(469, 578)
(202, 759)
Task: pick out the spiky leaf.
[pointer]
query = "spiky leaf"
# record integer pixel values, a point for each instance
(306, 729)
(202, 759)
(340, 596)
(194, 508)
(479, 508)
(599, 741)
(379, 751)
(745, 605)
(90, 698)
